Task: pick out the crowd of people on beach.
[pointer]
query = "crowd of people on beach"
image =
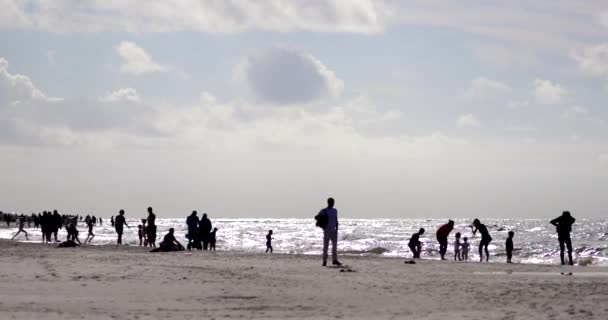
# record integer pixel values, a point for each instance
(202, 236)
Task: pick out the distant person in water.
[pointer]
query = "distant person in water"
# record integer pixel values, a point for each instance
(269, 241)
(457, 248)
(112, 220)
(485, 239)
(509, 246)
(204, 230)
(118, 225)
(212, 239)
(330, 231)
(91, 235)
(563, 226)
(151, 229)
(464, 249)
(193, 237)
(140, 234)
(415, 244)
(21, 228)
(442, 237)
(169, 243)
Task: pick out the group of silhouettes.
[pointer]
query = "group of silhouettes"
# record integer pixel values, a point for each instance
(202, 236)
(562, 223)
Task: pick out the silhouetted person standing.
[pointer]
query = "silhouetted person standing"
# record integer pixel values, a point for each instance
(112, 220)
(415, 244)
(269, 241)
(485, 239)
(212, 239)
(330, 232)
(193, 237)
(57, 224)
(91, 235)
(118, 225)
(509, 246)
(151, 228)
(563, 225)
(205, 230)
(442, 237)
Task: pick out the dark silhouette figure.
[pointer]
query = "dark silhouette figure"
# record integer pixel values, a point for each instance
(57, 223)
(205, 230)
(415, 244)
(485, 239)
(330, 231)
(112, 220)
(457, 247)
(91, 235)
(140, 234)
(563, 226)
(151, 228)
(442, 237)
(169, 243)
(464, 249)
(72, 233)
(21, 228)
(269, 241)
(212, 239)
(118, 225)
(509, 246)
(194, 241)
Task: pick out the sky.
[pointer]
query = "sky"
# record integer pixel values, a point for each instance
(397, 109)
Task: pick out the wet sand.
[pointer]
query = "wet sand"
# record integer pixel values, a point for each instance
(106, 282)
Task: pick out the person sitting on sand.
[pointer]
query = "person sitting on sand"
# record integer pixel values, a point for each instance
(485, 239)
(415, 244)
(269, 241)
(563, 225)
(91, 235)
(169, 243)
(118, 225)
(464, 249)
(509, 246)
(457, 247)
(442, 237)
(21, 228)
(212, 239)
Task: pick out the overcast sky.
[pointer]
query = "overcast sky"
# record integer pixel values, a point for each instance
(266, 108)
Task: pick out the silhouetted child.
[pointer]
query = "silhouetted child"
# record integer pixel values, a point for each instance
(509, 246)
(464, 249)
(212, 239)
(269, 241)
(457, 247)
(140, 234)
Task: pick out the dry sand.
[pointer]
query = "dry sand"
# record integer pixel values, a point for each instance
(106, 282)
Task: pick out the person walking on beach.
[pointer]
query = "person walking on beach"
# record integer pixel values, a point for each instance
(21, 228)
(91, 235)
(193, 238)
(509, 246)
(330, 232)
(204, 230)
(485, 239)
(118, 225)
(415, 244)
(269, 241)
(442, 237)
(151, 229)
(563, 226)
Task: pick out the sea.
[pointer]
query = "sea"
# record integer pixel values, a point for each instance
(535, 241)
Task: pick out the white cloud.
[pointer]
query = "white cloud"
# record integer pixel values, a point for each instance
(518, 104)
(286, 76)
(17, 88)
(593, 60)
(505, 57)
(468, 121)
(136, 60)
(484, 88)
(121, 95)
(227, 16)
(546, 92)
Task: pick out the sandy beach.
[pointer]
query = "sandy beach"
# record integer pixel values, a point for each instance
(106, 282)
